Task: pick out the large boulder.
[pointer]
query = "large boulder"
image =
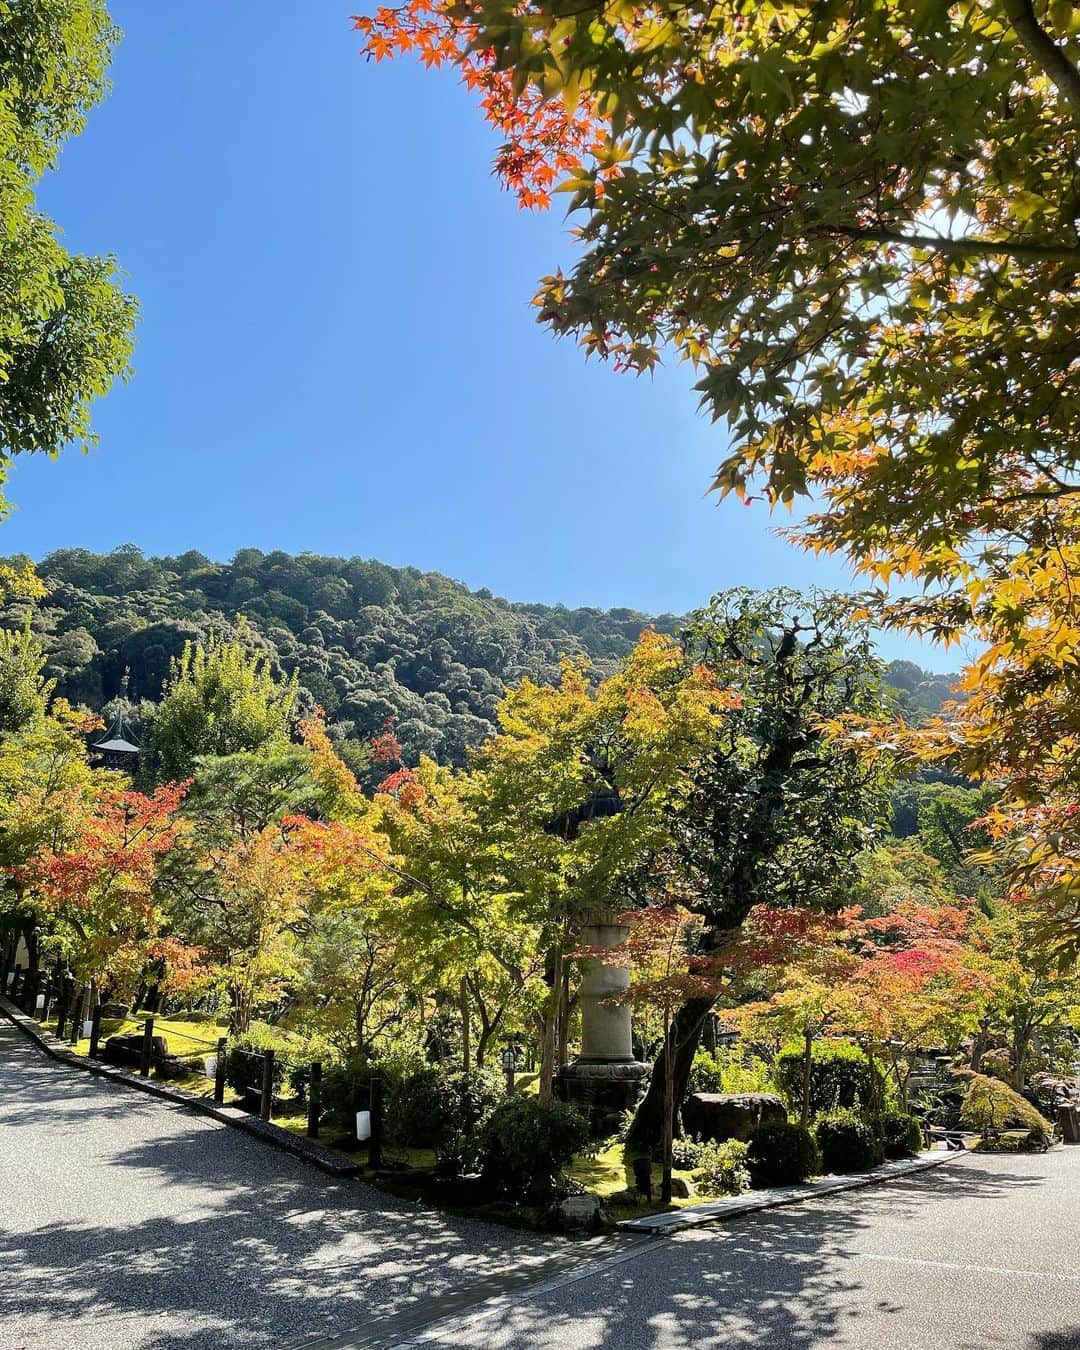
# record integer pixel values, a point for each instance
(730, 1115)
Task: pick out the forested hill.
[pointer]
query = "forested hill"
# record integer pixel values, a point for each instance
(370, 642)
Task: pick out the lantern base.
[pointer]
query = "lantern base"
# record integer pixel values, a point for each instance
(603, 1090)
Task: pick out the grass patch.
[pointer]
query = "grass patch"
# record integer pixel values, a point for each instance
(610, 1172)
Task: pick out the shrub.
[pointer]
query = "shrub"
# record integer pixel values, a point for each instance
(525, 1146)
(685, 1154)
(722, 1168)
(429, 1107)
(901, 1134)
(729, 1071)
(244, 1058)
(340, 1086)
(847, 1143)
(991, 1106)
(840, 1077)
(781, 1155)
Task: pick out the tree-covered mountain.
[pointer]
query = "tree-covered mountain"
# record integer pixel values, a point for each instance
(370, 643)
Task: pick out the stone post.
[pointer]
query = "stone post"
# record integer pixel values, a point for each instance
(604, 1079)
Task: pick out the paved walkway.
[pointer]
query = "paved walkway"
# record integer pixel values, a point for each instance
(126, 1222)
(975, 1255)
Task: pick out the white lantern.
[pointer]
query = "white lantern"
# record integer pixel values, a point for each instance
(39, 1003)
(210, 1066)
(87, 1028)
(363, 1125)
(10, 978)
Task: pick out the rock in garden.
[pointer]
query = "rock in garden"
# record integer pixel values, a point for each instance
(681, 1188)
(579, 1213)
(730, 1115)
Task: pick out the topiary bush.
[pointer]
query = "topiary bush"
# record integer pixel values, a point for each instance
(430, 1107)
(722, 1168)
(991, 1106)
(782, 1155)
(847, 1143)
(525, 1146)
(840, 1077)
(901, 1135)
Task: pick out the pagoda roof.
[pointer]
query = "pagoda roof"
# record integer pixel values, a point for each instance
(116, 742)
(116, 746)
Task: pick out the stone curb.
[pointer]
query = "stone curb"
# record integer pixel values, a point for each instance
(308, 1150)
(715, 1211)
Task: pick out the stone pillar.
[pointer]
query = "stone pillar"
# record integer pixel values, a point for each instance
(604, 1079)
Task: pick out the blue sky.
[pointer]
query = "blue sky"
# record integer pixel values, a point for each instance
(337, 351)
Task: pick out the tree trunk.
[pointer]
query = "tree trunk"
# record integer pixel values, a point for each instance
(979, 1046)
(669, 1115)
(546, 1091)
(648, 1125)
(466, 1048)
(807, 1074)
(1021, 1045)
(563, 1030)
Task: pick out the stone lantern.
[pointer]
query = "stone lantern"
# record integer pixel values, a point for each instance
(604, 1080)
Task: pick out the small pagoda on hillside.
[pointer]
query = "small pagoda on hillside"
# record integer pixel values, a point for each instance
(116, 751)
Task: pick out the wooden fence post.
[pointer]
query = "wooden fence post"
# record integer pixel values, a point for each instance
(77, 1004)
(376, 1106)
(62, 1009)
(95, 1032)
(314, 1103)
(147, 1047)
(219, 1073)
(266, 1100)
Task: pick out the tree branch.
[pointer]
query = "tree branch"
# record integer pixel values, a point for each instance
(963, 248)
(1044, 51)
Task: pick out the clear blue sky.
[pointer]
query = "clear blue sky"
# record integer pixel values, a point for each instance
(337, 351)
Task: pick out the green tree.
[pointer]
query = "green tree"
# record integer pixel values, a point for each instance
(222, 699)
(24, 690)
(223, 884)
(780, 805)
(65, 324)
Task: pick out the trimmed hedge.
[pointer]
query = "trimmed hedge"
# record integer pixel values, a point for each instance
(840, 1077)
(782, 1155)
(847, 1144)
(901, 1135)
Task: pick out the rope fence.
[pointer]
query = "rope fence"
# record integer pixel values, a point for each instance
(42, 995)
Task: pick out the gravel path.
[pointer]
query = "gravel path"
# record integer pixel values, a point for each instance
(981, 1254)
(126, 1222)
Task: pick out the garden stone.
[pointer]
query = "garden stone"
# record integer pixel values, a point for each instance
(731, 1115)
(579, 1213)
(681, 1188)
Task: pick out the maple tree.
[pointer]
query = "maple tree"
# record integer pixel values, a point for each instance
(804, 956)
(914, 986)
(857, 224)
(96, 891)
(580, 787)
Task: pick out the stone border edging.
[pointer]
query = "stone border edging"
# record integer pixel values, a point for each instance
(715, 1211)
(308, 1150)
